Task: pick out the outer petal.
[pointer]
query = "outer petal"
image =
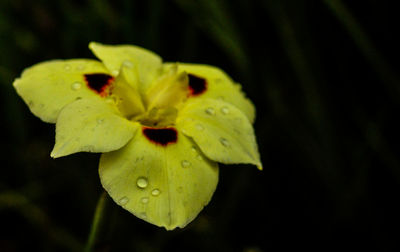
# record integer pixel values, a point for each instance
(147, 64)
(48, 86)
(219, 86)
(164, 185)
(221, 130)
(91, 125)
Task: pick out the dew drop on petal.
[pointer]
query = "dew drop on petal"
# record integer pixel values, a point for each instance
(100, 121)
(194, 149)
(143, 215)
(76, 85)
(67, 67)
(128, 63)
(224, 142)
(225, 110)
(145, 200)
(155, 192)
(180, 189)
(142, 182)
(199, 157)
(80, 67)
(115, 72)
(185, 163)
(199, 127)
(123, 201)
(210, 111)
(110, 100)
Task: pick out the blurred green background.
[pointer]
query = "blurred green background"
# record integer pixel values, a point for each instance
(323, 77)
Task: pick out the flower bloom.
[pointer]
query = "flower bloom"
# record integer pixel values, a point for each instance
(162, 127)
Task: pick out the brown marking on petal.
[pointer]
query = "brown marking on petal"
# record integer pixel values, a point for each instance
(197, 85)
(99, 82)
(161, 136)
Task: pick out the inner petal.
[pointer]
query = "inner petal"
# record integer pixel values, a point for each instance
(171, 90)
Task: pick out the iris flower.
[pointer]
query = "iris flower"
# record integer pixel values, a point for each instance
(162, 127)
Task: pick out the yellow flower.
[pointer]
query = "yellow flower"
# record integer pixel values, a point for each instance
(162, 127)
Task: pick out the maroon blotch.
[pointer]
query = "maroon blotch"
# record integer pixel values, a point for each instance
(161, 136)
(197, 85)
(99, 82)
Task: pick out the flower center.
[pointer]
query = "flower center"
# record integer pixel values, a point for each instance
(158, 105)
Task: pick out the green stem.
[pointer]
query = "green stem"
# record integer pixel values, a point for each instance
(96, 223)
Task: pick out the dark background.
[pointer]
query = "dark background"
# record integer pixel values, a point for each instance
(322, 74)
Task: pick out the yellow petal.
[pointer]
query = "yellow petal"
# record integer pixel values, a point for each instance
(166, 184)
(169, 91)
(91, 125)
(218, 86)
(222, 131)
(147, 64)
(128, 98)
(48, 86)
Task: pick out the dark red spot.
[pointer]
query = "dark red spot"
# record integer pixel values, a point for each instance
(161, 136)
(99, 82)
(197, 85)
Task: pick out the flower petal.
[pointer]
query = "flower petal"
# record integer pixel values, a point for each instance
(160, 176)
(216, 85)
(147, 64)
(48, 86)
(91, 125)
(127, 97)
(222, 131)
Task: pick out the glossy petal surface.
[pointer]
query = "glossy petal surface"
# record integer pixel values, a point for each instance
(144, 66)
(48, 86)
(166, 185)
(221, 130)
(91, 125)
(218, 86)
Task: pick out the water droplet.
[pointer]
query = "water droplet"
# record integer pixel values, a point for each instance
(155, 192)
(142, 182)
(218, 80)
(210, 111)
(110, 99)
(225, 110)
(199, 157)
(143, 215)
(128, 63)
(80, 67)
(194, 149)
(123, 201)
(185, 163)
(180, 189)
(67, 67)
(115, 72)
(100, 121)
(76, 85)
(224, 142)
(145, 200)
(199, 127)
(221, 98)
